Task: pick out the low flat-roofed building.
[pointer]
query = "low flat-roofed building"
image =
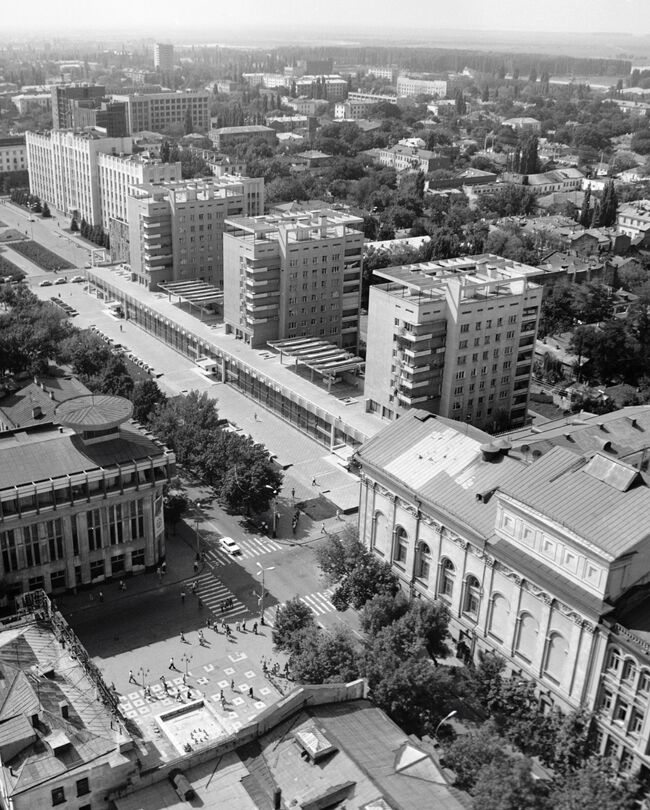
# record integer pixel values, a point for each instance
(225, 137)
(81, 500)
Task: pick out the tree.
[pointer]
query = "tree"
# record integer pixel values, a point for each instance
(175, 505)
(585, 213)
(45, 213)
(594, 787)
(188, 123)
(165, 151)
(73, 225)
(290, 620)
(86, 353)
(608, 205)
(468, 753)
(508, 784)
(383, 609)
(322, 657)
(185, 424)
(145, 396)
(115, 379)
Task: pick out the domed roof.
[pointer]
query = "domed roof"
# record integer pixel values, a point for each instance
(93, 412)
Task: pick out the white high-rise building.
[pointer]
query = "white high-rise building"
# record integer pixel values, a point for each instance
(163, 57)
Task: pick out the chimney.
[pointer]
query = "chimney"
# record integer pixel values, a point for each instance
(51, 394)
(37, 412)
(64, 709)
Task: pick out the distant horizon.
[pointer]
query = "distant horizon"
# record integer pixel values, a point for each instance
(356, 18)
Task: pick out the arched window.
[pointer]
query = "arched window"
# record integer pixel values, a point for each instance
(557, 650)
(499, 617)
(614, 660)
(380, 534)
(423, 562)
(400, 546)
(644, 681)
(527, 636)
(447, 576)
(628, 675)
(472, 600)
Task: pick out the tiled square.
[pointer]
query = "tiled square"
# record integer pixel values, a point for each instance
(156, 688)
(126, 705)
(243, 687)
(144, 710)
(265, 690)
(133, 695)
(237, 725)
(259, 704)
(203, 681)
(223, 684)
(216, 698)
(229, 671)
(131, 715)
(208, 667)
(138, 702)
(178, 681)
(237, 701)
(249, 674)
(236, 657)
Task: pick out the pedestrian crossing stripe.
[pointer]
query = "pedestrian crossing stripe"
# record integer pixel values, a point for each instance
(253, 547)
(213, 593)
(319, 603)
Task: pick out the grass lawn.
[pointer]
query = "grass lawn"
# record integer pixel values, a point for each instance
(11, 235)
(8, 268)
(41, 256)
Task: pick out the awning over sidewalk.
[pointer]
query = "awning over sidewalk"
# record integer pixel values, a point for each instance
(326, 359)
(195, 293)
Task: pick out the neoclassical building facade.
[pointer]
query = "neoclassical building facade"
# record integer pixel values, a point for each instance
(524, 554)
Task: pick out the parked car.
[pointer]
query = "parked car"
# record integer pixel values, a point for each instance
(77, 279)
(229, 546)
(60, 280)
(45, 283)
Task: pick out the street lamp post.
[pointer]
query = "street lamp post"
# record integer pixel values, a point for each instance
(261, 599)
(186, 658)
(143, 673)
(196, 531)
(274, 514)
(444, 720)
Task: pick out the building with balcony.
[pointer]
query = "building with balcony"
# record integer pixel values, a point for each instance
(163, 57)
(176, 228)
(81, 500)
(159, 111)
(542, 558)
(294, 275)
(454, 337)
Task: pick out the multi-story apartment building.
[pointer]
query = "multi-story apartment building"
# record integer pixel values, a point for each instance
(410, 86)
(64, 169)
(541, 557)
(292, 276)
(352, 110)
(64, 96)
(13, 154)
(382, 72)
(633, 218)
(454, 337)
(410, 158)
(227, 137)
(163, 57)
(375, 98)
(329, 88)
(82, 501)
(159, 111)
(118, 172)
(176, 229)
(106, 115)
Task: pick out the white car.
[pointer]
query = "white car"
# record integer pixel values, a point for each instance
(229, 546)
(60, 280)
(45, 283)
(77, 279)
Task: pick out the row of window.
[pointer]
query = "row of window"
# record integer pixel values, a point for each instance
(626, 668)
(83, 789)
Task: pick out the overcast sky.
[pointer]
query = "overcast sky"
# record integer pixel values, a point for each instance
(142, 17)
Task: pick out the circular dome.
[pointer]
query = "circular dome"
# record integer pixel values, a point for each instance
(93, 412)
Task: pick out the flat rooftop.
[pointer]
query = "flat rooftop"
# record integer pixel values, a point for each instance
(349, 409)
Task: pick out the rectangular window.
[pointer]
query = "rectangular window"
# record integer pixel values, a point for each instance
(8, 546)
(94, 525)
(621, 712)
(116, 524)
(464, 327)
(83, 787)
(117, 564)
(32, 546)
(97, 569)
(137, 519)
(137, 557)
(55, 539)
(57, 580)
(58, 795)
(75, 535)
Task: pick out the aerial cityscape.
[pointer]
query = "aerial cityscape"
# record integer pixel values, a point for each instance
(325, 406)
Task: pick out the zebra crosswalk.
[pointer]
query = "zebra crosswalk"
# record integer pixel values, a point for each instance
(213, 593)
(250, 547)
(319, 603)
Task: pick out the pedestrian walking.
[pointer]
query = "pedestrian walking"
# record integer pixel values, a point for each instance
(207, 622)
(255, 416)
(183, 597)
(338, 514)
(238, 627)
(243, 627)
(195, 585)
(323, 529)
(255, 628)
(196, 566)
(189, 694)
(184, 679)
(232, 684)
(313, 482)
(101, 596)
(183, 639)
(250, 692)
(164, 567)
(122, 585)
(293, 492)
(131, 677)
(172, 665)
(159, 573)
(201, 639)
(121, 330)
(221, 694)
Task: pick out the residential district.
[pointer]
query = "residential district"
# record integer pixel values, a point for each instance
(324, 428)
